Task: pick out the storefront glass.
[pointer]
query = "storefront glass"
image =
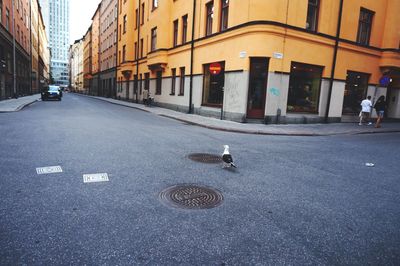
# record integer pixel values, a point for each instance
(304, 88)
(213, 86)
(355, 91)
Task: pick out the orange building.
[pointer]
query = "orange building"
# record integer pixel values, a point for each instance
(95, 51)
(15, 25)
(87, 60)
(270, 61)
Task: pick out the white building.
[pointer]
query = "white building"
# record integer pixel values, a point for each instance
(56, 16)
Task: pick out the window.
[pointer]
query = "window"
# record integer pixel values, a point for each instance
(209, 18)
(123, 53)
(7, 19)
(158, 82)
(141, 48)
(182, 82)
(124, 25)
(153, 39)
(173, 73)
(120, 32)
(137, 18)
(354, 92)
(155, 4)
(224, 14)
(146, 81)
(304, 86)
(213, 86)
(1, 11)
(184, 29)
(140, 83)
(135, 84)
(142, 18)
(364, 26)
(136, 51)
(312, 15)
(175, 38)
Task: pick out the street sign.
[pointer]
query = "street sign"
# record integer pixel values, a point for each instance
(215, 68)
(384, 81)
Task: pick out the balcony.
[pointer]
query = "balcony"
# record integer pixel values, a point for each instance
(157, 60)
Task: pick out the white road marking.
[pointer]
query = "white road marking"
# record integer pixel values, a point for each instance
(48, 170)
(91, 178)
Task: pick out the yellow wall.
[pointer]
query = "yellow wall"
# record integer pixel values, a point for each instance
(293, 42)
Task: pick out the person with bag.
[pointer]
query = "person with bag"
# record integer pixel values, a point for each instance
(365, 110)
(380, 107)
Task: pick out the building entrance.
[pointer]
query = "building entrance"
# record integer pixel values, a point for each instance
(257, 87)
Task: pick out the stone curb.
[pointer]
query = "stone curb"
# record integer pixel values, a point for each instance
(249, 131)
(20, 107)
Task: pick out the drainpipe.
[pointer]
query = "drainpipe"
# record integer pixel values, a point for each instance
(191, 59)
(334, 61)
(14, 63)
(137, 55)
(114, 92)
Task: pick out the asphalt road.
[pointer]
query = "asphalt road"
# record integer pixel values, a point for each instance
(292, 200)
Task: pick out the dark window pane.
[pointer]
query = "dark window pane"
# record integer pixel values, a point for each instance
(304, 86)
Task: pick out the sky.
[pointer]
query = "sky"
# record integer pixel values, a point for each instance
(81, 13)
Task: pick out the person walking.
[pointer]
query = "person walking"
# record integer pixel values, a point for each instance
(380, 107)
(366, 106)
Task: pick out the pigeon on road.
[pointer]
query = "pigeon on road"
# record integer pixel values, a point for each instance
(227, 158)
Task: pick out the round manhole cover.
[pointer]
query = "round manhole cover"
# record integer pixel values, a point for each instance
(205, 158)
(191, 197)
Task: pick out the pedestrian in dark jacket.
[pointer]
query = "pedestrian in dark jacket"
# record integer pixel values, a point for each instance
(380, 107)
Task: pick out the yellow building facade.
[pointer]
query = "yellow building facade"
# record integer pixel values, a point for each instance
(274, 61)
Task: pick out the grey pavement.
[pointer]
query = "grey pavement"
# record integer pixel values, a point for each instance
(293, 200)
(14, 105)
(231, 126)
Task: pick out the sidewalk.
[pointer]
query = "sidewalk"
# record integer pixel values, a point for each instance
(13, 105)
(262, 129)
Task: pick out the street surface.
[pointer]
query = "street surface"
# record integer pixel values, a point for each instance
(292, 200)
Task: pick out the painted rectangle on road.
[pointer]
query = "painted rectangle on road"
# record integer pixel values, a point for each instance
(91, 178)
(48, 170)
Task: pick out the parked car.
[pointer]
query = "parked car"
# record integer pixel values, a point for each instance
(51, 92)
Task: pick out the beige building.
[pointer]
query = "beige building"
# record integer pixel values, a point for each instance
(108, 47)
(76, 66)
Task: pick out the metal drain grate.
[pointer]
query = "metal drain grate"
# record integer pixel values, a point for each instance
(191, 197)
(205, 158)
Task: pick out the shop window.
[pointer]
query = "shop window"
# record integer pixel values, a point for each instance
(158, 82)
(173, 72)
(182, 81)
(312, 15)
(146, 81)
(304, 88)
(364, 26)
(355, 91)
(213, 85)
